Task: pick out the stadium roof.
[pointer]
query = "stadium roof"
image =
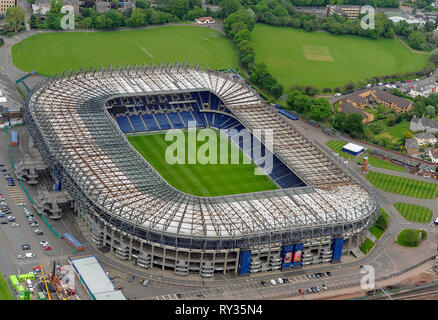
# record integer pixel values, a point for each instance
(68, 114)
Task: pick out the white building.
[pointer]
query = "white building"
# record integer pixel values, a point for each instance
(425, 138)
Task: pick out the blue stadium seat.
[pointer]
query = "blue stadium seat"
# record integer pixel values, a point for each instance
(124, 124)
(137, 123)
(187, 116)
(163, 122)
(150, 122)
(176, 121)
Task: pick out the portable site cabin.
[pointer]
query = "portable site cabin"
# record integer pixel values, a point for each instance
(14, 281)
(24, 276)
(14, 138)
(353, 149)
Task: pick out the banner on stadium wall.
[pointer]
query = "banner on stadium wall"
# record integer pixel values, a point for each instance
(298, 253)
(244, 262)
(337, 245)
(287, 255)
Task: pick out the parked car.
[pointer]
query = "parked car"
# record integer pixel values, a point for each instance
(301, 291)
(15, 225)
(47, 248)
(4, 222)
(272, 282)
(263, 283)
(324, 287)
(131, 278)
(25, 247)
(34, 224)
(44, 243)
(20, 256)
(39, 232)
(280, 281)
(146, 282)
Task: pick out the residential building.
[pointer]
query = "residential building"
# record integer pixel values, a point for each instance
(5, 4)
(423, 124)
(425, 138)
(204, 20)
(412, 147)
(352, 12)
(357, 101)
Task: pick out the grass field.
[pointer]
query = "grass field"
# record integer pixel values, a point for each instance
(295, 56)
(201, 179)
(404, 186)
(366, 246)
(394, 134)
(5, 292)
(49, 53)
(379, 163)
(336, 146)
(411, 237)
(414, 212)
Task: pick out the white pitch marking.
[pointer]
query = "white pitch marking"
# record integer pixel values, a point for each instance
(147, 52)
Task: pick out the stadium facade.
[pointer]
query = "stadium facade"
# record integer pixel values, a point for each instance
(77, 122)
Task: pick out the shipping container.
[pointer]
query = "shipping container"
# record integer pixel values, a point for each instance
(14, 281)
(41, 296)
(72, 241)
(14, 138)
(24, 276)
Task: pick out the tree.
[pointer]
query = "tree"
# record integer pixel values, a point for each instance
(142, 4)
(320, 109)
(417, 40)
(180, 8)
(408, 135)
(137, 18)
(430, 111)
(229, 7)
(15, 18)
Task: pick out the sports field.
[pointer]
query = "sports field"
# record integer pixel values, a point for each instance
(321, 59)
(201, 179)
(404, 186)
(336, 146)
(414, 212)
(49, 53)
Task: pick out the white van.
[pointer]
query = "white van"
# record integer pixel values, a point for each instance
(29, 255)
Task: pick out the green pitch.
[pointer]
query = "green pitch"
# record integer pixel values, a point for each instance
(50, 53)
(404, 186)
(201, 179)
(414, 212)
(321, 59)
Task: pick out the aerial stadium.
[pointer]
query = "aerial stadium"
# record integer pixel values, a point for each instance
(80, 122)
